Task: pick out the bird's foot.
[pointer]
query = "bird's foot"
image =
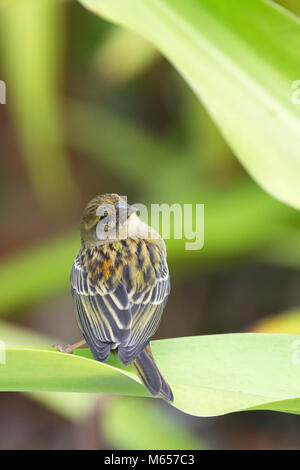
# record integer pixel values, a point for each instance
(68, 348)
(64, 348)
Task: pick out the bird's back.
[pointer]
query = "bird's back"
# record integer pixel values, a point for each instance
(120, 290)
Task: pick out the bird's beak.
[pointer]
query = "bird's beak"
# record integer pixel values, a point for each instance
(124, 210)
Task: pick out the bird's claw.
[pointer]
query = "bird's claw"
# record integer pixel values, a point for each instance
(64, 348)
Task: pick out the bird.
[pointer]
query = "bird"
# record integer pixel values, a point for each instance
(120, 284)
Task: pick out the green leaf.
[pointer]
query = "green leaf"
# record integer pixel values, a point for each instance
(72, 406)
(209, 375)
(122, 419)
(241, 59)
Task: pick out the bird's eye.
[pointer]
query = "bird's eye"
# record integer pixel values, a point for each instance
(104, 215)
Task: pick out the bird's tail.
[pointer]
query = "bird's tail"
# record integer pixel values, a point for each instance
(150, 375)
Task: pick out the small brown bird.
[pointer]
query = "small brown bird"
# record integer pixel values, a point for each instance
(120, 285)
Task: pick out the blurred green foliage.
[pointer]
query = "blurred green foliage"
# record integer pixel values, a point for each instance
(32, 42)
(153, 428)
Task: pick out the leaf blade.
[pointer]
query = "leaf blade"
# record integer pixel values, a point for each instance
(241, 66)
(209, 375)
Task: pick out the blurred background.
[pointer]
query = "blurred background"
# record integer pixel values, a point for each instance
(91, 108)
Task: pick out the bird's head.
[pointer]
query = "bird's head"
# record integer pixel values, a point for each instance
(105, 219)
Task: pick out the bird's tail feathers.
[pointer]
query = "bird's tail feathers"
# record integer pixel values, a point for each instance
(150, 375)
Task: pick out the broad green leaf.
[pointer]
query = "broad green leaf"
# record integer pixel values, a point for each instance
(241, 59)
(72, 406)
(209, 375)
(122, 420)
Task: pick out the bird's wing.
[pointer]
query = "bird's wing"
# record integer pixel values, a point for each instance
(147, 305)
(104, 315)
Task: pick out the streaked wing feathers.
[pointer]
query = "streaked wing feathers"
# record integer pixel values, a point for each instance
(146, 313)
(104, 317)
(126, 313)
